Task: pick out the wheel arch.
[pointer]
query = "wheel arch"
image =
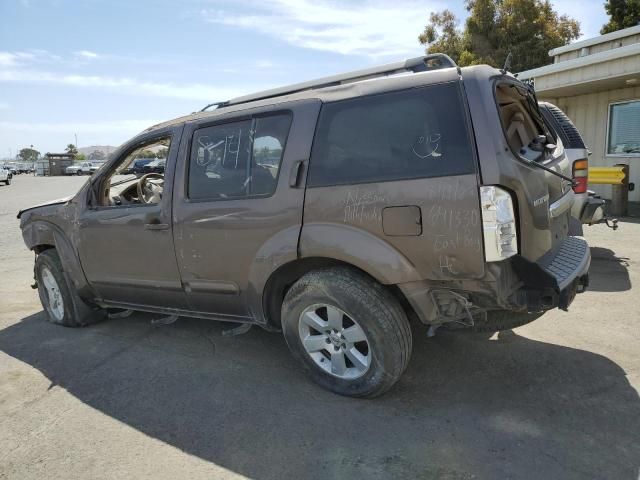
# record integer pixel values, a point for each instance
(291, 253)
(360, 248)
(41, 235)
(281, 280)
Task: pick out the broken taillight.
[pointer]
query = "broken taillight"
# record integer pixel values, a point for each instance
(498, 224)
(580, 175)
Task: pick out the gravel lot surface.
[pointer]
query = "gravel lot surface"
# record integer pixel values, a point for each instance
(131, 399)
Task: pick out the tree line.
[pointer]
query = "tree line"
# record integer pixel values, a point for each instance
(526, 28)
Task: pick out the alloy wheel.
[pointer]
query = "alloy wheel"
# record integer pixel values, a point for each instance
(334, 341)
(54, 296)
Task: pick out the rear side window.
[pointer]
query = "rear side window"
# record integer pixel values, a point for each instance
(401, 135)
(239, 159)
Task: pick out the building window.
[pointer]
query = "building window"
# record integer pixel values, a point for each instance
(624, 129)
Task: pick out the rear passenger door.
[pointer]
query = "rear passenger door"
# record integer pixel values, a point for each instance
(238, 202)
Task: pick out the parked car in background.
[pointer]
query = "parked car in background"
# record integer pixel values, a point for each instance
(5, 175)
(95, 166)
(588, 208)
(156, 166)
(24, 167)
(83, 168)
(137, 166)
(438, 195)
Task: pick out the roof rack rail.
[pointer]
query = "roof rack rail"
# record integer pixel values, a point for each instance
(434, 61)
(214, 104)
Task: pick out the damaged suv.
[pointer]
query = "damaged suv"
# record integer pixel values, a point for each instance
(333, 211)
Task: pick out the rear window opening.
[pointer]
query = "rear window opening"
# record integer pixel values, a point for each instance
(521, 121)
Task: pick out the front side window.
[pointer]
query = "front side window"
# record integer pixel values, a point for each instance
(624, 129)
(138, 179)
(237, 160)
(414, 133)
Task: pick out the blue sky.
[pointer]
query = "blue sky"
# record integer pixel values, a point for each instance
(106, 69)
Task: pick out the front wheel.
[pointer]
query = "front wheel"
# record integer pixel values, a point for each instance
(61, 303)
(349, 332)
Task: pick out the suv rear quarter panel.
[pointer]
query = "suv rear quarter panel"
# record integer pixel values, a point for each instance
(346, 223)
(393, 186)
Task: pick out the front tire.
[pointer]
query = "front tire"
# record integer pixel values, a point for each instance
(61, 302)
(348, 331)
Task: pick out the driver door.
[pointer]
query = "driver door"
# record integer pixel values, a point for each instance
(126, 245)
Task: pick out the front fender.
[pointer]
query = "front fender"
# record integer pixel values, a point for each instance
(41, 232)
(359, 248)
(38, 233)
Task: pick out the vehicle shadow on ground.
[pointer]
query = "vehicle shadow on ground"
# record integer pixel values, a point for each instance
(608, 272)
(467, 407)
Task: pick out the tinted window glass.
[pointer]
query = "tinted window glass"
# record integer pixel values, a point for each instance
(231, 161)
(268, 148)
(410, 134)
(219, 166)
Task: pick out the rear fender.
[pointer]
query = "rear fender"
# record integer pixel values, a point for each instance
(359, 248)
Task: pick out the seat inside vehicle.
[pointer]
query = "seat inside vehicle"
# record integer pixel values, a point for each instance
(517, 123)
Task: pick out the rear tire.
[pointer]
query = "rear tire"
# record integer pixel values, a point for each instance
(60, 301)
(348, 331)
(8, 181)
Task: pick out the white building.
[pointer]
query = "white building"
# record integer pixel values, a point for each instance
(597, 84)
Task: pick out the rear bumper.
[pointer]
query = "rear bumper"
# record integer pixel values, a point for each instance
(516, 284)
(571, 261)
(555, 279)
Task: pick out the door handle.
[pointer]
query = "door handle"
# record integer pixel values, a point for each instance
(156, 226)
(294, 178)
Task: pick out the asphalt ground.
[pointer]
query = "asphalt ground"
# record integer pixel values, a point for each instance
(130, 399)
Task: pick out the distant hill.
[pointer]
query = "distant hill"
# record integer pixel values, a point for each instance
(106, 149)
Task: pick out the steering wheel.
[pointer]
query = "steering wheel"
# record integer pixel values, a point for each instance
(148, 190)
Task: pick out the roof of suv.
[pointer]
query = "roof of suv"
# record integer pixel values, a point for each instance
(345, 91)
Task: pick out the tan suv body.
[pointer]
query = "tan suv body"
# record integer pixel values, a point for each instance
(333, 211)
